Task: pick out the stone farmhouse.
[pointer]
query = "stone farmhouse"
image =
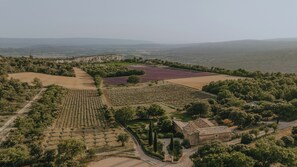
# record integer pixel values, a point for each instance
(202, 130)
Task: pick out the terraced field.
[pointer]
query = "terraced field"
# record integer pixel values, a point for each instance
(170, 94)
(81, 118)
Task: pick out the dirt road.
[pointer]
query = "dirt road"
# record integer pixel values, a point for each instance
(25, 109)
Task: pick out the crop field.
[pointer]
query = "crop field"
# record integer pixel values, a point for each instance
(170, 94)
(81, 81)
(199, 82)
(153, 73)
(81, 118)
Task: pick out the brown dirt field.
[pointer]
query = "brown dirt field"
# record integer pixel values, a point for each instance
(199, 82)
(119, 162)
(81, 81)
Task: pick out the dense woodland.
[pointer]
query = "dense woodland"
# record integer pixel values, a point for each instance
(30, 64)
(266, 152)
(109, 70)
(13, 93)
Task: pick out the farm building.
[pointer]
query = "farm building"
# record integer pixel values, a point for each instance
(202, 130)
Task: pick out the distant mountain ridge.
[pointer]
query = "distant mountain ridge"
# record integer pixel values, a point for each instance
(33, 42)
(271, 55)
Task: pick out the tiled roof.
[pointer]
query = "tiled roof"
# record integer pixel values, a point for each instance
(180, 124)
(204, 127)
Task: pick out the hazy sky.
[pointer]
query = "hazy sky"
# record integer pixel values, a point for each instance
(166, 21)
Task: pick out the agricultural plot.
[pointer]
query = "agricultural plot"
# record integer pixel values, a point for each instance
(170, 94)
(199, 82)
(153, 73)
(81, 118)
(81, 81)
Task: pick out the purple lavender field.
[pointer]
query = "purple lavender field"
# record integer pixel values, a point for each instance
(156, 74)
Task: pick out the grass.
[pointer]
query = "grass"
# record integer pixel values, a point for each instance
(182, 116)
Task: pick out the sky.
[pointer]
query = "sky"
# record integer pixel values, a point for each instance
(162, 21)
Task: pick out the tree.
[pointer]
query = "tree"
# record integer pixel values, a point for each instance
(214, 147)
(165, 125)
(155, 141)
(186, 143)
(288, 140)
(267, 152)
(69, 150)
(125, 114)
(177, 150)
(37, 83)
(91, 152)
(155, 111)
(255, 132)
(49, 156)
(238, 159)
(274, 127)
(150, 138)
(133, 79)
(246, 138)
(141, 112)
(14, 156)
(200, 108)
(216, 154)
(171, 144)
(294, 130)
(266, 130)
(123, 138)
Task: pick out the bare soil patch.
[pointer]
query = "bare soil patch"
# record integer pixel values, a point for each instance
(119, 162)
(199, 82)
(81, 81)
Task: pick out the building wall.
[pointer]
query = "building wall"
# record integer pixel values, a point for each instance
(220, 137)
(193, 139)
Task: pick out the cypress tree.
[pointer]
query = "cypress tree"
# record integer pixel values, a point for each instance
(171, 143)
(155, 142)
(150, 138)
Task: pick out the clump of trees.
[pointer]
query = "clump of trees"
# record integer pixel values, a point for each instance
(125, 114)
(265, 153)
(109, 70)
(274, 93)
(200, 109)
(158, 124)
(175, 149)
(109, 115)
(13, 93)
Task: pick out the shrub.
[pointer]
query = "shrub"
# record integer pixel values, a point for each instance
(186, 143)
(288, 140)
(133, 79)
(179, 135)
(294, 130)
(246, 138)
